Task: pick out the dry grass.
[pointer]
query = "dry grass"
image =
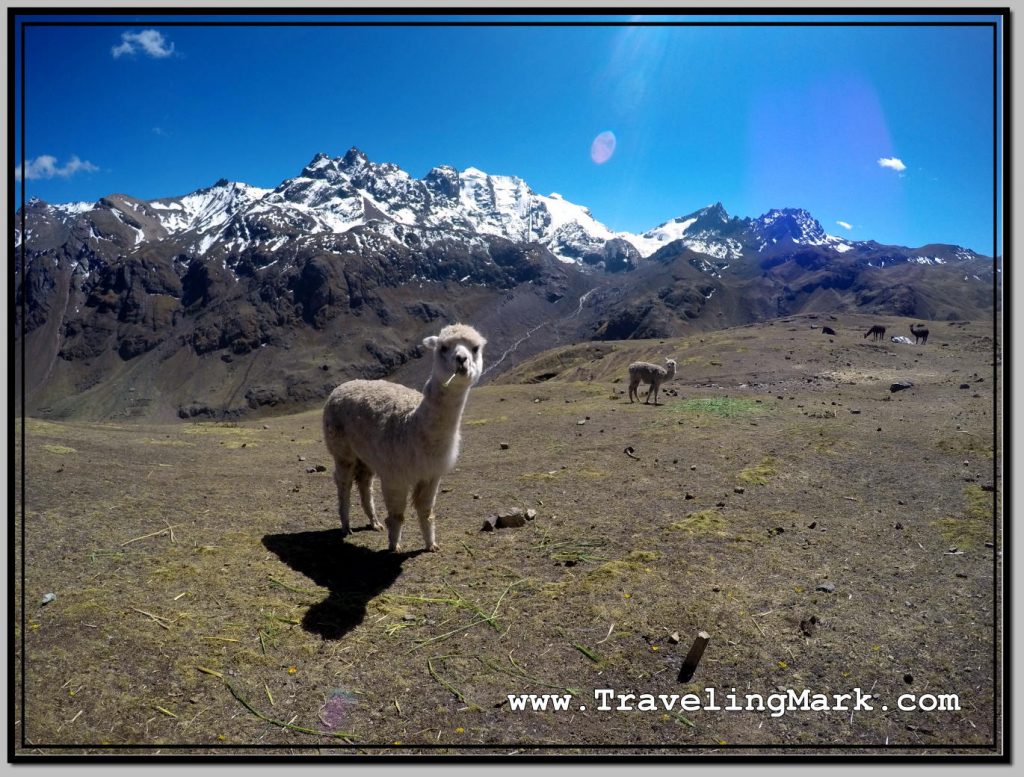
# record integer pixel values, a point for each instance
(205, 596)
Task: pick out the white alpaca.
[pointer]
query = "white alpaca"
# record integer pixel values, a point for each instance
(407, 438)
(649, 373)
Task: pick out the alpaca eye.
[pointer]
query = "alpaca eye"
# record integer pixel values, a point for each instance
(476, 349)
(444, 349)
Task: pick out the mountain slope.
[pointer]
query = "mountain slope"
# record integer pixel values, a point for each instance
(235, 298)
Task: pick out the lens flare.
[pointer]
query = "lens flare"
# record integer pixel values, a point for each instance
(602, 148)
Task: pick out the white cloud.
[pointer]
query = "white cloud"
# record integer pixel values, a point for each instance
(45, 166)
(845, 225)
(893, 163)
(149, 42)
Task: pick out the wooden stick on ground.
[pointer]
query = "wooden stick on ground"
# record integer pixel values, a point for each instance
(693, 657)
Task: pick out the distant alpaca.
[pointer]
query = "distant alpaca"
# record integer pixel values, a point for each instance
(649, 373)
(827, 330)
(407, 438)
(920, 334)
(878, 331)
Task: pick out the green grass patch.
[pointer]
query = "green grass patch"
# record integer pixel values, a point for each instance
(702, 522)
(60, 450)
(962, 443)
(225, 429)
(972, 528)
(760, 474)
(724, 407)
(635, 561)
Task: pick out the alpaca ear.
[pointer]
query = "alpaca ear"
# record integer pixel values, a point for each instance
(430, 342)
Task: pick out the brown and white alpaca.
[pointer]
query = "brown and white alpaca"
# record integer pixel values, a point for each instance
(920, 334)
(878, 332)
(406, 438)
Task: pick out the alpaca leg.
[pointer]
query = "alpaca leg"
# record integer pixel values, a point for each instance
(343, 474)
(423, 497)
(647, 399)
(654, 388)
(395, 498)
(632, 391)
(363, 477)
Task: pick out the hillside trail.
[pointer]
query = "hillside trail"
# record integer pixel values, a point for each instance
(512, 348)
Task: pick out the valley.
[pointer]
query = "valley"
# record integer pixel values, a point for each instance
(236, 301)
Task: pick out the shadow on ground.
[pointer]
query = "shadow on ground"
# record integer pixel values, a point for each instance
(354, 575)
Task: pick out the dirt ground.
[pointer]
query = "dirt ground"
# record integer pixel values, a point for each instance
(827, 533)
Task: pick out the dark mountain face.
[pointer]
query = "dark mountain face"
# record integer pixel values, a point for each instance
(233, 299)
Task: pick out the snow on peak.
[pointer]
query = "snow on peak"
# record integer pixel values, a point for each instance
(354, 157)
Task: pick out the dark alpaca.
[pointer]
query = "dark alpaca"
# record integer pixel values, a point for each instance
(827, 330)
(921, 334)
(878, 331)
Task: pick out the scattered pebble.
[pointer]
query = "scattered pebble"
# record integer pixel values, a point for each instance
(47, 598)
(503, 445)
(827, 587)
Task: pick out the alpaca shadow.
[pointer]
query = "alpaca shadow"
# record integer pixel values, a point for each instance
(354, 575)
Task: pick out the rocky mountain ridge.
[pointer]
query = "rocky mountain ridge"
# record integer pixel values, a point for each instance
(234, 298)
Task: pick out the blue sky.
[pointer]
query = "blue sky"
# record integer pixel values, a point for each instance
(882, 133)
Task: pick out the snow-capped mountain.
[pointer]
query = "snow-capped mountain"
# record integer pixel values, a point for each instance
(333, 196)
(349, 261)
(336, 195)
